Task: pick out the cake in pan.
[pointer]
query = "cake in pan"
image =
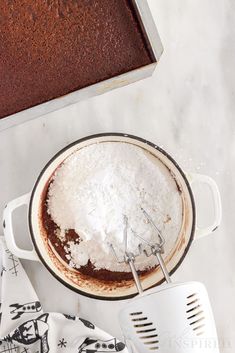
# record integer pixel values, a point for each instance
(49, 48)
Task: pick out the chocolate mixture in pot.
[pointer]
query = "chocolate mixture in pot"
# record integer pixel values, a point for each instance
(50, 48)
(87, 196)
(58, 245)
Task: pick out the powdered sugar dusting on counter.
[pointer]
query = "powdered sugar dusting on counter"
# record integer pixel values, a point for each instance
(96, 186)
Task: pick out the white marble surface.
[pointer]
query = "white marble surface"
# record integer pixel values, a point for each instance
(187, 107)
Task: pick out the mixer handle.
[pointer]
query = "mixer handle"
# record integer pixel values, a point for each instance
(204, 179)
(9, 231)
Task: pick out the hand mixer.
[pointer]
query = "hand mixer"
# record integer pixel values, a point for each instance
(174, 318)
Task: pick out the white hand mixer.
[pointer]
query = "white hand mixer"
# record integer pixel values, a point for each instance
(174, 318)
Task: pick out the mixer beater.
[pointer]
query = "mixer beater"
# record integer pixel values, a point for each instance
(155, 249)
(175, 317)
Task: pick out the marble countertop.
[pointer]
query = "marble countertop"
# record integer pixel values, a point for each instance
(188, 108)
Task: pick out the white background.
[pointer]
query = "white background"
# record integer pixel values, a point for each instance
(188, 107)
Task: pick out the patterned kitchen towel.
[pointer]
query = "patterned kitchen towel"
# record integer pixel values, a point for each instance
(25, 328)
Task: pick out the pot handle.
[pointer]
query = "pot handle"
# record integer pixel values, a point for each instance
(8, 229)
(204, 179)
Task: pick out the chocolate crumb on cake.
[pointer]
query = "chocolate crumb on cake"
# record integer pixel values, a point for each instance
(49, 48)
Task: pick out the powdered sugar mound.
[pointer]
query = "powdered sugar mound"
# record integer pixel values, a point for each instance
(96, 186)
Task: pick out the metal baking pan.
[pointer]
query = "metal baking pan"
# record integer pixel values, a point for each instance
(150, 30)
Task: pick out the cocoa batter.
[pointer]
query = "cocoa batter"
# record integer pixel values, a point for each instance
(51, 229)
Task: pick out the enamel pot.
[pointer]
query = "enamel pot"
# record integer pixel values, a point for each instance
(85, 284)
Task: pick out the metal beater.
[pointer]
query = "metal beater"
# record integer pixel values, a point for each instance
(175, 317)
(156, 249)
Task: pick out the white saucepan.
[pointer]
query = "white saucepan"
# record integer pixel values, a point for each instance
(85, 284)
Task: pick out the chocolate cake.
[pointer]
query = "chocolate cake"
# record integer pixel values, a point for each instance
(49, 48)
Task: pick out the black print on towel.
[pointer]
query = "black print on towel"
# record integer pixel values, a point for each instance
(87, 323)
(29, 308)
(70, 317)
(15, 263)
(32, 331)
(6, 347)
(95, 346)
(62, 343)
(3, 270)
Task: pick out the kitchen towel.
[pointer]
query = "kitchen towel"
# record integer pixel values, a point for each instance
(25, 328)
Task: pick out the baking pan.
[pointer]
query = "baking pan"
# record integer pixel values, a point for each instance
(148, 27)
